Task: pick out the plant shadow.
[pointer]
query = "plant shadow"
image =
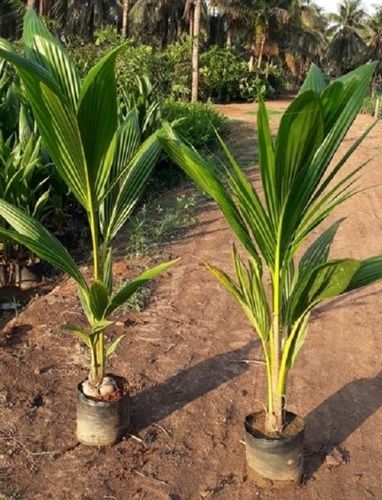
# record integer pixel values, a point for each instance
(163, 399)
(336, 418)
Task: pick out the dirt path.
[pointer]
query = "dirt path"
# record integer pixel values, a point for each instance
(190, 387)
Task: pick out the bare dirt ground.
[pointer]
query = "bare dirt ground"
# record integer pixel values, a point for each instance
(191, 387)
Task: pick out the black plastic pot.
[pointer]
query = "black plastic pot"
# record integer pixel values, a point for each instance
(101, 423)
(278, 459)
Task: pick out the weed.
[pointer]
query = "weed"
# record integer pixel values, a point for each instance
(157, 223)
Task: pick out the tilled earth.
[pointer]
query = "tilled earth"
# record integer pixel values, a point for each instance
(189, 361)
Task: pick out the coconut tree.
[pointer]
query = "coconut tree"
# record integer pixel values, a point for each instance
(347, 48)
(300, 188)
(373, 36)
(267, 19)
(158, 19)
(235, 15)
(304, 39)
(102, 161)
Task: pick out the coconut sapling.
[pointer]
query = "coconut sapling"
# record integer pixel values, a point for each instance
(104, 162)
(300, 188)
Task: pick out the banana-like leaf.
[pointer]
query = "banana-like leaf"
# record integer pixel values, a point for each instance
(253, 293)
(99, 300)
(127, 290)
(59, 129)
(98, 119)
(325, 281)
(314, 80)
(300, 134)
(56, 121)
(133, 182)
(308, 179)
(333, 103)
(318, 252)
(128, 140)
(46, 50)
(30, 233)
(368, 272)
(316, 255)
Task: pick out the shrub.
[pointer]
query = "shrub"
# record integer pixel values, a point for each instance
(224, 74)
(225, 77)
(197, 121)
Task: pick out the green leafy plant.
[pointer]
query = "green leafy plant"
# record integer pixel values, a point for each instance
(196, 122)
(144, 100)
(301, 189)
(102, 162)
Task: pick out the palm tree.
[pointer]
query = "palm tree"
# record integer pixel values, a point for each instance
(234, 13)
(347, 48)
(373, 37)
(267, 19)
(306, 41)
(158, 19)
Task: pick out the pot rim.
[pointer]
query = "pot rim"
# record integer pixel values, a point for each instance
(97, 402)
(268, 440)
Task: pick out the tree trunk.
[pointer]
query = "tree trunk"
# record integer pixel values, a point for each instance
(90, 26)
(251, 62)
(229, 36)
(192, 24)
(195, 51)
(261, 52)
(31, 4)
(213, 38)
(125, 18)
(164, 41)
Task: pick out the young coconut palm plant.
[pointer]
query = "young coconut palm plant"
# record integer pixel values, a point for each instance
(106, 167)
(300, 189)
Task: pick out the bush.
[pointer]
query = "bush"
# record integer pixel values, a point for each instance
(225, 77)
(224, 74)
(198, 121)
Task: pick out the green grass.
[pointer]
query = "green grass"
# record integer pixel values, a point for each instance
(155, 224)
(158, 223)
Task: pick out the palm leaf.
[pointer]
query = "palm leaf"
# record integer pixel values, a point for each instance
(127, 290)
(97, 120)
(314, 80)
(368, 272)
(31, 234)
(46, 50)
